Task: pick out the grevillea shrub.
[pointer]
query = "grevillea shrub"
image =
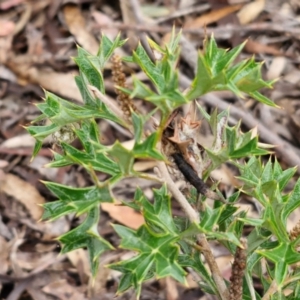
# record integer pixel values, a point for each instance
(166, 245)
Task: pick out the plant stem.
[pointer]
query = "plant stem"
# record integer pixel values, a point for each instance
(111, 105)
(201, 239)
(190, 212)
(272, 290)
(149, 177)
(215, 271)
(250, 285)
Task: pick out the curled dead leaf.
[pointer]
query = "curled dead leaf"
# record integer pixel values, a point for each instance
(23, 192)
(251, 11)
(211, 17)
(123, 214)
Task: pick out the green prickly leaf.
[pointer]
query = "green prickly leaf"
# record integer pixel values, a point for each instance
(86, 235)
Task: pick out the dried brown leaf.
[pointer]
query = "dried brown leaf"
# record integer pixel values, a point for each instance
(211, 17)
(35, 288)
(24, 140)
(36, 294)
(258, 48)
(292, 77)
(23, 192)
(124, 215)
(276, 67)
(103, 21)
(32, 260)
(59, 83)
(171, 291)
(63, 290)
(79, 259)
(129, 15)
(77, 26)
(251, 11)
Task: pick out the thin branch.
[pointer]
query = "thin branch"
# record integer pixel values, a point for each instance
(188, 209)
(111, 105)
(250, 286)
(41, 268)
(201, 239)
(215, 271)
(150, 177)
(19, 288)
(223, 32)
(184, 11)
(272, 290)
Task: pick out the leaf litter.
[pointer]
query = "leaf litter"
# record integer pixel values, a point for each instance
(37, 41)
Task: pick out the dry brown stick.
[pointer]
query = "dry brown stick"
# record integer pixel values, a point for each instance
(19, 288)
(190, 174)
(215, 271)
(219, 32)
(192, 177)
(24, 282)
(41, 268)
(184, 11)
(26, 151)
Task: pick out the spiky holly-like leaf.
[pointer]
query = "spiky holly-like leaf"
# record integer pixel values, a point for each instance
(86, 235)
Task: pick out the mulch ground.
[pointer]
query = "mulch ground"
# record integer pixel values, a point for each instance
(37, 42)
